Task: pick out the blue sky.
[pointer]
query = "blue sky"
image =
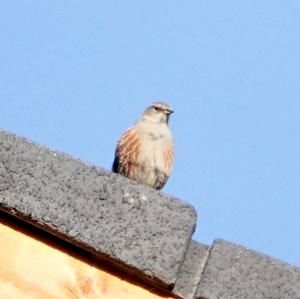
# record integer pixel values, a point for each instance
(75, 74)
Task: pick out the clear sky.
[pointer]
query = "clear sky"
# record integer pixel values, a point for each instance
(75, 74)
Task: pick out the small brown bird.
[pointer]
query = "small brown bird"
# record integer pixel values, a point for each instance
(145, 151)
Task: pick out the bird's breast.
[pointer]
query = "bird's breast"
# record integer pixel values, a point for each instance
(153, 149)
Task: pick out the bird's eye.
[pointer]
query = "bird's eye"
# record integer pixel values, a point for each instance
(155, 108)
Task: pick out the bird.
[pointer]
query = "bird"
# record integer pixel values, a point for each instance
(145, 152)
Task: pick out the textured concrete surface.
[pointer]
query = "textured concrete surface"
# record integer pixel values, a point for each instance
(234, 272)
(128, 224)
(190, 272)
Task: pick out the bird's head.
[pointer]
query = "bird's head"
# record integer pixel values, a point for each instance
(158, 112)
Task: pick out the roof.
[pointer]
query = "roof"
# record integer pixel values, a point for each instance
(134, 228)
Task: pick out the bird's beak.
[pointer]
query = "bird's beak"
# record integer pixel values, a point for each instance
(168, 111)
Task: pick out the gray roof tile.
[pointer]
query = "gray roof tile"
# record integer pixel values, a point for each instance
(132, 226)
(235, 272)
(191, 270)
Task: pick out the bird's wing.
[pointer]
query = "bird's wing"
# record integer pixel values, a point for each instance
(126, 152)
(162, 176)
(168, 158)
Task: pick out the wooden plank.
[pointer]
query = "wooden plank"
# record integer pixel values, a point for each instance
(31, 268)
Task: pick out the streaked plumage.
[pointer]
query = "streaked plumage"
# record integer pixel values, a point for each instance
(145, 151)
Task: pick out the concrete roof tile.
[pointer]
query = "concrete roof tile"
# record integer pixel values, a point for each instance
(235, 272)
(191, 270)
(130, 225)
